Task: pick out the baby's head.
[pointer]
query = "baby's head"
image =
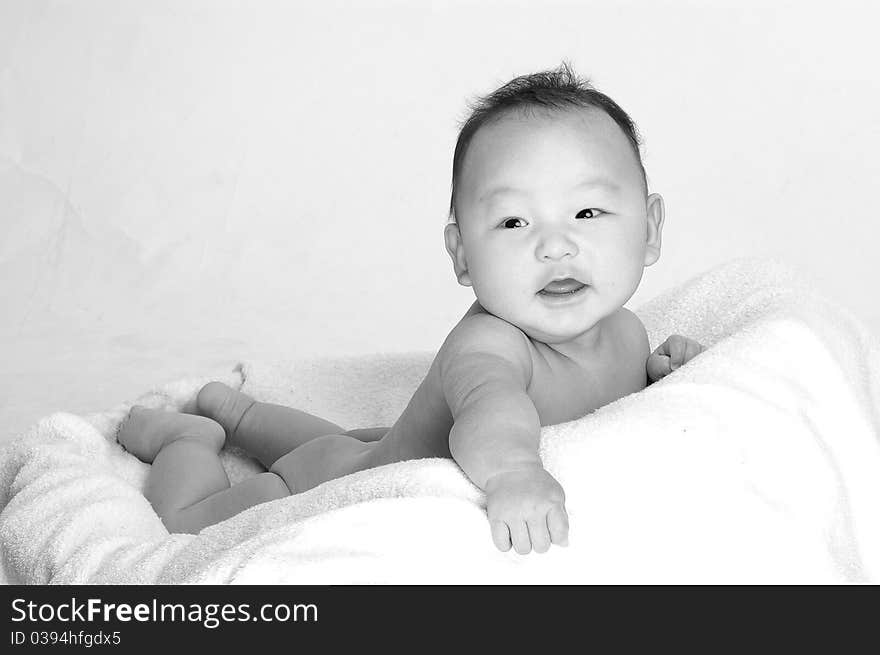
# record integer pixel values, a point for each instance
(548, 184)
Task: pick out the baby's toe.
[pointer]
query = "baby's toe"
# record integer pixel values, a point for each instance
(123, 430)
(212, 397)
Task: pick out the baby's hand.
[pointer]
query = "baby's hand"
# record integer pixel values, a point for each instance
(526, 508)
(674, 352)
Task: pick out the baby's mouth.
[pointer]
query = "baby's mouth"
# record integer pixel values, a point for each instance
(564, 287)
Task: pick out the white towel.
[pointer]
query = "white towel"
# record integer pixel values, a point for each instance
(757, 462)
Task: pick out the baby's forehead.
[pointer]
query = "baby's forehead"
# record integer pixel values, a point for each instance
(530, 143)
(587, 127)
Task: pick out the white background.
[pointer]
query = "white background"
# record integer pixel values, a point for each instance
(186, 184)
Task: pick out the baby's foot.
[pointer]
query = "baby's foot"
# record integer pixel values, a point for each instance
(146, 431)
(223, 404)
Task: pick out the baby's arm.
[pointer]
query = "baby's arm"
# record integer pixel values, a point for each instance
(485, 370)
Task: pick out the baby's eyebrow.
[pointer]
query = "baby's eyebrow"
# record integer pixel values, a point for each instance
(605, 182)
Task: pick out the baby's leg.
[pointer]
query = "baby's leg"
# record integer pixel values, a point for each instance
(189, 490)
(327, 458)
(144, 432)
(187, 485)
(265, 430)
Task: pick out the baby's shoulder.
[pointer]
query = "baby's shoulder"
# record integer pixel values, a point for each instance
(632, 330)
(481, 334)
(485, 332)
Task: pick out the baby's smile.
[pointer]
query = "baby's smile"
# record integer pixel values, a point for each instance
(562, 290)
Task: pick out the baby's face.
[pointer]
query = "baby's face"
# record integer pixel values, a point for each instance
(547, 197)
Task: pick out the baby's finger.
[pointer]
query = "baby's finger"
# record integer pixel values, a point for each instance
(557, 523)
(658, 366)
(500, 535)
(539, 535)
(662, 349)
(692, 349)
(676, 344)
(519, 535)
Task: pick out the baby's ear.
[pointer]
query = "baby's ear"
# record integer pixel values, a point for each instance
(455, 248)
(656, 214)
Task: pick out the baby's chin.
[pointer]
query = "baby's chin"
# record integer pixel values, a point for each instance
(555, 337)
(552, 331)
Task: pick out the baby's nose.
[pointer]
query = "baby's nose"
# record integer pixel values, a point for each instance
(556, 246)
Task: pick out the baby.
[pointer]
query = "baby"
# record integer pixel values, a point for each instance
(552, 225)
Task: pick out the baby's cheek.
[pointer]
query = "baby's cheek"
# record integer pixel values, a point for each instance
(495, 293)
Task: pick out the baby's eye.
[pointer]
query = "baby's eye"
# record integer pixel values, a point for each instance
(588, 213)
(507, 222)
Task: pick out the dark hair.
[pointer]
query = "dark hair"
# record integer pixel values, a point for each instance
(549, 90)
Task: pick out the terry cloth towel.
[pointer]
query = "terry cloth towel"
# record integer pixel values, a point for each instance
(757, 462)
